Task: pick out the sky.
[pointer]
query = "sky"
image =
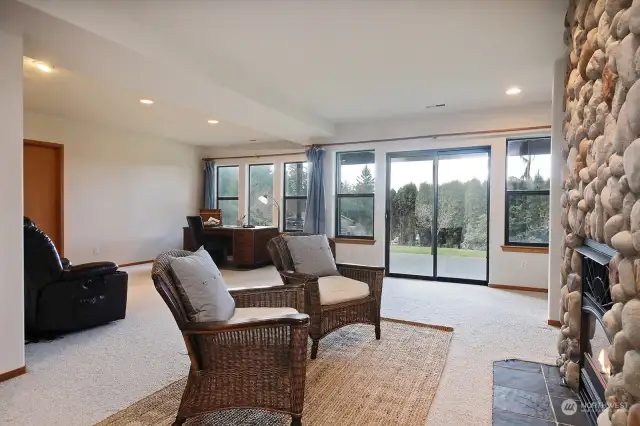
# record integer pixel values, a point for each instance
(462, 169)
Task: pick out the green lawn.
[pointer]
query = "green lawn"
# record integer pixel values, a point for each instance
(441, 251)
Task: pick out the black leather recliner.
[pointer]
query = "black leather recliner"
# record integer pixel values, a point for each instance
(60, 297)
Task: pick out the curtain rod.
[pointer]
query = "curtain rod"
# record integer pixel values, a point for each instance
(432, 136)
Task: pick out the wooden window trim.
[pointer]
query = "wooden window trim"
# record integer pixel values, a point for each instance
(525, 249)
(360, 241)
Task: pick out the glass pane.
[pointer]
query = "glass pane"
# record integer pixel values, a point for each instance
(229, 211)
(528, 218)
(356, 216)
(261, 195)
(295, 179)
(356, 171)
(228, 181)
(462, 216)
(294, 211)
(529, 164)
(411, 216)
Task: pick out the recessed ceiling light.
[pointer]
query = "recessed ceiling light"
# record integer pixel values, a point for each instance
(213, 121)
(253, 140)
(513, 91)
(146, 101)
(42, 66)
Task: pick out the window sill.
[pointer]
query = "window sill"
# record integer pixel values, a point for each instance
(525, 249)
(361, 241)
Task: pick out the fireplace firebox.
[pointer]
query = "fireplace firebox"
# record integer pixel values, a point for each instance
(594, 341)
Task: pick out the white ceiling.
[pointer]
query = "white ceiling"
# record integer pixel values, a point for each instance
(276, 69)
(67, 94)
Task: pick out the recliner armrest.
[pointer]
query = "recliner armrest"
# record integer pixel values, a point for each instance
(88, 270)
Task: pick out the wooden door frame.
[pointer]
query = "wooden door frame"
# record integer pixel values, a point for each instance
(60, 148)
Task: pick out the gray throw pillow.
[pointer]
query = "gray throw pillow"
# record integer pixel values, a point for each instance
(311, 255)
(202, 288)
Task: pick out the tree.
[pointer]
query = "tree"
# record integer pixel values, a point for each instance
(260, 183)
(357, 212)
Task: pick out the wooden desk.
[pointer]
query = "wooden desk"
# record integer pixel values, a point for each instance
(248, 246)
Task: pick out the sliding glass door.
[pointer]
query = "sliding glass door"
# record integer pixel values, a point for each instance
(437, 215)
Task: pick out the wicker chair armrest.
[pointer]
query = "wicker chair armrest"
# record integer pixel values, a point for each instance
(372, 275)
(361, 267)
(291, 320)
(310, 282)
(277, 296)
(291, 277)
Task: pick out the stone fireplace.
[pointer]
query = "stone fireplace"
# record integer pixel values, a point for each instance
(599, 340)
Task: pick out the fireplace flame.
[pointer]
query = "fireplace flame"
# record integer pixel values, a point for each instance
(605, 364)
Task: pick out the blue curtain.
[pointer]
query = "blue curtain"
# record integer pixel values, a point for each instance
(209, 184)
(314, 220)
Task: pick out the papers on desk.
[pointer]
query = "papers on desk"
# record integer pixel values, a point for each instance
(212, 221)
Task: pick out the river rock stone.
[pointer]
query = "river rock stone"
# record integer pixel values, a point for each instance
(627, 278)
(604, 30)
(619, 417)
(599, 214)
(612, 319)
(624, 133)
(627, 208)
(623, 24)
(605, 198)
(612, 7)
(631, 160)
(631, 322)
(635, 217)
(617, 295)
(634, 415)
(616, 394)
(595, 66)
(634, 18)
(633, 108)
(571, 85)
(616, 165)
(609, 79)
(631, 372)
(619, 347)
(574, 283)
(612, 227)
(625, 60)
(572, 240)
(623, 243)
(572, 373)
(613, 269)
(614, 24)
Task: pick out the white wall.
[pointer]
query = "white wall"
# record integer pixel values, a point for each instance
(557, 164)
(505, 267)
(125, 195)
(11, 269)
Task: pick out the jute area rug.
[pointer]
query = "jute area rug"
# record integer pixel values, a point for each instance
(356, 380)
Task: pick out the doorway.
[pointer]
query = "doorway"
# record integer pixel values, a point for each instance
(43, 175)
(437, 215)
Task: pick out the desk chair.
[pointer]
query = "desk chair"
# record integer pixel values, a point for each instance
(212, 245)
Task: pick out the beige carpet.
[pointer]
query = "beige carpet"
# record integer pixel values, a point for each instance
(355, 380)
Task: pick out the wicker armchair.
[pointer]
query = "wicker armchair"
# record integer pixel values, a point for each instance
(243, 363)
(326, 318)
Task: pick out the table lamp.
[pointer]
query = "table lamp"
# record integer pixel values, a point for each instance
(264, 199)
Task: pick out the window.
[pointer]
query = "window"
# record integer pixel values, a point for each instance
(261, 194)
(354, 194)
(295, 195)
(227, 193)
(527, 203)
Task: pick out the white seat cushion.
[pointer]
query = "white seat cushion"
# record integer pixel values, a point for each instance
(246, 313)
(338, 289)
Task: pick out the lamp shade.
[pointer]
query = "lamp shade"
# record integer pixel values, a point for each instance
(263, 199)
